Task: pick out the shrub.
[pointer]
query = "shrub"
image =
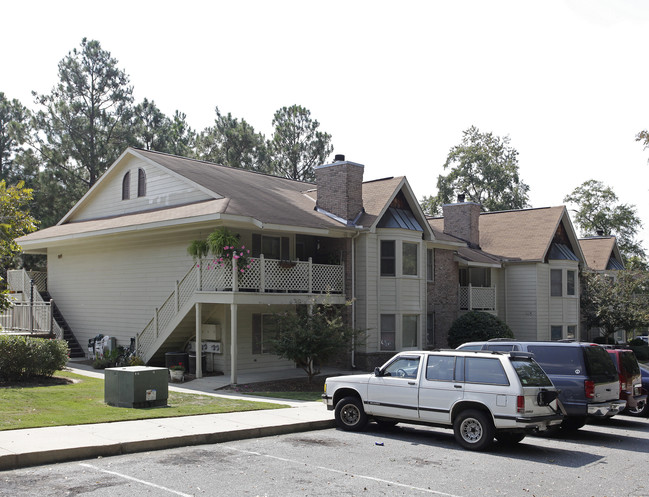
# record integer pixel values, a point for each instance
(638, 342)
(24, 357)
(477, 326)
(641, 352)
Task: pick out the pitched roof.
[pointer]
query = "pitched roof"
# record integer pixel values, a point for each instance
(598, 251)
(259, 197)
(516, 235)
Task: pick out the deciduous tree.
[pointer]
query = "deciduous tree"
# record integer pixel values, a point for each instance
(297, 146)
(612, 304)
(484, 168)
(312, 338)
(597, 208)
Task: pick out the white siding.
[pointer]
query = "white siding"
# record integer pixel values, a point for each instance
(162, 190)
(521, 282)
(113, 288)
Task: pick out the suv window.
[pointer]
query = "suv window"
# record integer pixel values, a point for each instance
(500, 347)
(484, 370)
(559, 360)
(440, 368)
(403, 367)
(530, 373)
(629, 363)
(600, 365)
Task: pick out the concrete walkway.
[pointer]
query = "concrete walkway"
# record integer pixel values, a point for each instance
(29, 447)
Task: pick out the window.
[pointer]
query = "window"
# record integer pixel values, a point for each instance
(273, 247)
(388, 332)
(482, 370)
(409, 259)
(403, 367)
(264, 329)
(141, 183)
(388, 262)
(570, 282)
(430, 265)
(572, 330)
(409, 331)
(440, 368)
(126, 186)
(556, 282)
(556, 332)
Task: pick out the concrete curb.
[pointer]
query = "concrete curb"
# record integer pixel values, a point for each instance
(35, 458)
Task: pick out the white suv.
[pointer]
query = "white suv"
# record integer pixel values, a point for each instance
(481, 395)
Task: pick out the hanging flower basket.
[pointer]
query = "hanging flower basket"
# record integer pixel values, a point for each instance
(287, 264)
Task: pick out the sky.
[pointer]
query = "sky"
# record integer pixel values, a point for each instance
(394, 83)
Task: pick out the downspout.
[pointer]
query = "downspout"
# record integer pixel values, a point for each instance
(353, 269)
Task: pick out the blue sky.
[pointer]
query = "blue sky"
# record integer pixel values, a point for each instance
(395, 83)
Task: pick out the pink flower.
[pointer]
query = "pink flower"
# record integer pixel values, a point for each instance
(243, 247)
(235, 256)
(248, 266)
(247, 251)
(198, 265)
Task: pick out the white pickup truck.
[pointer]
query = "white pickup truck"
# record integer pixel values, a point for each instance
(481, 395)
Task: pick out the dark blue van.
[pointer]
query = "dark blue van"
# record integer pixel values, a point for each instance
(583, 372)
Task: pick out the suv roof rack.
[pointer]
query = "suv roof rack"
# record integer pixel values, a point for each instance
(501, 340)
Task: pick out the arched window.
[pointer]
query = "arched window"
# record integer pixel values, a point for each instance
(141, 183)
(126, 186)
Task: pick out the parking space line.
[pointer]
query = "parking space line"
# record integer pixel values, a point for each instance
(332, 470)
(148, 483)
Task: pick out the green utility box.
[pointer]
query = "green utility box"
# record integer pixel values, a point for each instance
(136, 386)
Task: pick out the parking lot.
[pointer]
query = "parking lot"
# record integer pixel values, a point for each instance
(605, 459)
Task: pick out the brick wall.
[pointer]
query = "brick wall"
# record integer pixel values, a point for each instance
(443, 295)
(463, 221)
(340, 189)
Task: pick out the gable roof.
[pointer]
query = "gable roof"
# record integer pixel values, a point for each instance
(519, 235)
(601, 253)
(247, 196)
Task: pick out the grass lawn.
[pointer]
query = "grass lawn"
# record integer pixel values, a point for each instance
(83, 402)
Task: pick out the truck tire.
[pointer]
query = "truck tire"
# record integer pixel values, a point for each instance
(572, 423)
(474, 430)
(350, 415)
(640, 411)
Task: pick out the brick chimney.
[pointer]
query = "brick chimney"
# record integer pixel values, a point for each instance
(340, 188)
(462, 220)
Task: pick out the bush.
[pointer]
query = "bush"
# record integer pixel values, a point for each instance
(24, 357)
(641, 352)
(638, 342)
(477, 326)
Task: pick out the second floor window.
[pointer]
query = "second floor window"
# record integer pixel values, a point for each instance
(141, 183)
(126, 186)
(409, 259)
(388, 258)
(556, 282)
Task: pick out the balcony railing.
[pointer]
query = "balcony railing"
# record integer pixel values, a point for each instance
(476, 298)
(24, 317)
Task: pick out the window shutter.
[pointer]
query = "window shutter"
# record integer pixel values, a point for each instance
(256, 333)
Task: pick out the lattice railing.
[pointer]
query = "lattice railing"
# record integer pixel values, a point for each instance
(477, 298)
(263, 275)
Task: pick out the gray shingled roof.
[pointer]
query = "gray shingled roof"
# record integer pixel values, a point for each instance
(598, 251)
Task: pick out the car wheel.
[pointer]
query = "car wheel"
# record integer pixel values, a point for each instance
(474, 430)
(573, 423)
(350, 415)
(639, 411)
(509, 438)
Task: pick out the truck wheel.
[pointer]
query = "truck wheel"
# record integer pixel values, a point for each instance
(350, 415)
(474, 430)
(509, 438)
(640, 411)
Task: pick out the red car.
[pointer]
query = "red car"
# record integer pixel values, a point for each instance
(630, 378)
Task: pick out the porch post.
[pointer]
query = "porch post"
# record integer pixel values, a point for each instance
(199, 340)
(310, 284)
(469, 297)
(233, 343)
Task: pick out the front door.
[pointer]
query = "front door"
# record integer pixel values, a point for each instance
(395, 392)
